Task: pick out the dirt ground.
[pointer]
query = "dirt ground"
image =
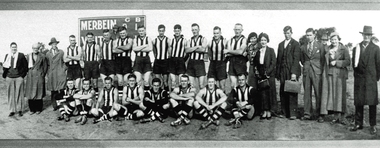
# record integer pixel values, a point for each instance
(45, 126)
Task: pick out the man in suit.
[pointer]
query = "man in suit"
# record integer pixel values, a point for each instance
(312, 58)
(366, 63)
(288, 68)
(15, 68)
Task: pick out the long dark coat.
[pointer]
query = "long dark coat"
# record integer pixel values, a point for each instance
(35, 79)
(366, 74)
(57, 71)
(292, 55)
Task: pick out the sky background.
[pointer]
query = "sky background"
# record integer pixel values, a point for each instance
(26, 27)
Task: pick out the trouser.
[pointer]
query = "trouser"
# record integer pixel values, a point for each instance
(56, 95)
(312, 80)
(359, 109)
(289, 102)
(15, 93)
(35, 105)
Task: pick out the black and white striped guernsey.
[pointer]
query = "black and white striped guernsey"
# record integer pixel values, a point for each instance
(216, 49)
(178, 47)
(132, 92)
(236, 42)
(211, 97)
(90, 52)
(107, 50)
(139, 42)
(160, 48)
(72, 52)
(196, 42)
(109, 97)
(156, 96)
(123, 42)
(243, 95)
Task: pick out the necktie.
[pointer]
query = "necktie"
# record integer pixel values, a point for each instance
(12, 61)
(309, 49)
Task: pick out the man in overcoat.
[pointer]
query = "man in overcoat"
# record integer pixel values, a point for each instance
(366, 63)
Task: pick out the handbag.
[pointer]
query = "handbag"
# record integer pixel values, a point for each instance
(292, 86)
(263, 84)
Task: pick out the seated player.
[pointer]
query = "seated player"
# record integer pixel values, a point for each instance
(242, 101)
(182, 99)
(66, 105)
(210, 102)
(155, 103)
(84, 100)
(107, 97)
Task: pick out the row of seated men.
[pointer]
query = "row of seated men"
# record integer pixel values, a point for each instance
(209, 104)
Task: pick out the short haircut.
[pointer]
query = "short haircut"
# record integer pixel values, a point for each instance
(131, 76)
(178, 26)
(87, 80)
(122, 28)
(69, 80)
(108, 78)
(195, 24)
(185, 76)
(72, 36)
(211, 78)
(310, 30)
(140, 26)
(106, 30)
(161, 26)
(217, 28)
(89, 33)
(156, 80)
(243, 74)
(239, 24)
(286, 28)
(337, 36)
(263, 35)
(13, 43)
(252, 34)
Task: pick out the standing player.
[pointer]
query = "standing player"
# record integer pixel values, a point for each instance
(196, 47)
(218, 65)
(177, 65)
(115, 32)
(122, 49)
(142, 46)
(107, 97)
(107, 66)
(210, 103)
(235, 50)
(161, 50)
(91, 55)
(84, 100)
(72, 58)
(67, 103)
(182, 99)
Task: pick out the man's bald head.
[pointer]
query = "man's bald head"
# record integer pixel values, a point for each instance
(36, 47)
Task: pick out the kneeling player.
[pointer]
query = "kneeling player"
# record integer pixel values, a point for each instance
(66, 105)
(210, 102)
(242, 100)
(182, 99)
(108, 97)
(84, 100)
(155, 103)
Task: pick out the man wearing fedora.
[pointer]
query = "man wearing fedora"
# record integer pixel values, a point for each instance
(56, 74)
(366, 63)
(115, 32)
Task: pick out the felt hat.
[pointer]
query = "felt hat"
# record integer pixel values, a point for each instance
(367, 30)
(53, 40)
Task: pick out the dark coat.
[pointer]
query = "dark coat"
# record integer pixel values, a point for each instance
(56, 74)
(269, 62)
(292, 52)
(22, 65)
(366, 75)
(315, 61)
(35, 79)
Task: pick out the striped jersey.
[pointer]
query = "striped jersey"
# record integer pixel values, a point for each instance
(109, 97)
(196, 42)
(183, 90)
(107, 52)
(211, 97)
(69, 92)
(160, 48)
(132, 92)
(139, 42)
(90, 52)
(72, 52)
(178, 47)
(236, 42)
(162, 94)
(242, 95)
(216, 49)
(123, 42)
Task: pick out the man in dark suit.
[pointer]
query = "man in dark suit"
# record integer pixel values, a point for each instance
(288, 68)
(312, 58)
(366, 63)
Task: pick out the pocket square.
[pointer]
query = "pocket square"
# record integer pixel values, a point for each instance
(317, 51)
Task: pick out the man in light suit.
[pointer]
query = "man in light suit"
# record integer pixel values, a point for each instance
(312, 58)
(288, 68)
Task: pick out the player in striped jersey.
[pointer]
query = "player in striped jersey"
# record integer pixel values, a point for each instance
(182, 99)
(72, 58)
(177, 65)
(84, 100)
(210, 102)
(107, 66)
(123, 61)
(161, 50)
(108, 96)
(235, 53)
(66, 105)
(243, 100)
(155, 103)
(91, 55)
(196, 47)
(218, 65)
(142, 46)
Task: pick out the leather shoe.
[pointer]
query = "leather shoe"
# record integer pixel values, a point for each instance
(20, 113)
(305, 118)
(373, 130)
(356, 127)
(320, 120)
(11, 114)
(293, 118)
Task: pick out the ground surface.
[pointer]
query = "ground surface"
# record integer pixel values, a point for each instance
(45, 126)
